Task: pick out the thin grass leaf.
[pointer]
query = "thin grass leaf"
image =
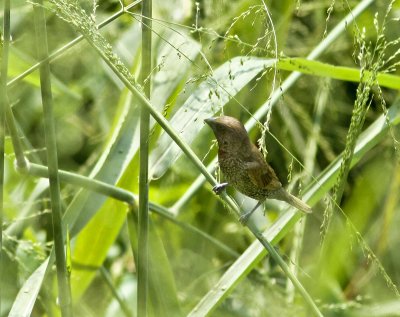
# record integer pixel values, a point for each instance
(108, 279)
(27, 296)
(325, 70)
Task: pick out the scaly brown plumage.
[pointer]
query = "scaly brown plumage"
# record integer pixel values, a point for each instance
(244, 166)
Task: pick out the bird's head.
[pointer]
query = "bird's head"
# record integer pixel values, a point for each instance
(230, 133)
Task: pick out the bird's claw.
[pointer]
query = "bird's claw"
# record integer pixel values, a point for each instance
(244, 218)
(219, 188)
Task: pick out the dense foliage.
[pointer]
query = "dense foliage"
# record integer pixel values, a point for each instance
(330, 131)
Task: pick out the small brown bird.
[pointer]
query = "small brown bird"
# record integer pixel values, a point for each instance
(244, 166)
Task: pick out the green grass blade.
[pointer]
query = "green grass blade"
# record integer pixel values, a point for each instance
(23, 304)
(325, 70)
(142, 259)
(52, 160)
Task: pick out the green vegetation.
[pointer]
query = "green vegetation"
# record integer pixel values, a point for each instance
(117, 127)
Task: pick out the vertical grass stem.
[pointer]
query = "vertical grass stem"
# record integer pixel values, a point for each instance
(143, 238)
(52, 161)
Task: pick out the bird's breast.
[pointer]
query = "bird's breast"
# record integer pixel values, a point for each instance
(234, 169)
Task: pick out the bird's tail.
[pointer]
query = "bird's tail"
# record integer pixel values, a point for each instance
(297, 203)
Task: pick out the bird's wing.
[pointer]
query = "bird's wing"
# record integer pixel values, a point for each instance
(261, 174)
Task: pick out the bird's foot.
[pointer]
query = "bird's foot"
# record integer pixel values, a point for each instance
(219, 188)
(244, 218)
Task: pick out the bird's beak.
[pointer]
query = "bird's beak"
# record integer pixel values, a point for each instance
(210, 122)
